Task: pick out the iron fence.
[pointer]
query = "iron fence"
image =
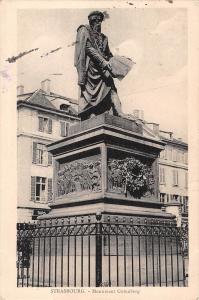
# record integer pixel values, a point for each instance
(89, 251)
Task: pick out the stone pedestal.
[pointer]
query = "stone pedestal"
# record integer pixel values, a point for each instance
(87, 173)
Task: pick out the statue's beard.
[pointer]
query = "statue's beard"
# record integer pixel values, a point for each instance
(96, 27)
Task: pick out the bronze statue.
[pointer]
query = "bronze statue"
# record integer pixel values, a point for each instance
(98, 93)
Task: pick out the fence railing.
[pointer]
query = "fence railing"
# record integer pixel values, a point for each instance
(86, 251)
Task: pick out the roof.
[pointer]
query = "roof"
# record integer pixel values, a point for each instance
(49, 96)
(40, 99)
(174, 141)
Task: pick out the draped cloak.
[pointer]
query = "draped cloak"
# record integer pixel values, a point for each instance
(91, 54)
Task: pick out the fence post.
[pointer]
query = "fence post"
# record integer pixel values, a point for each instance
(98, 252)
(183, 241)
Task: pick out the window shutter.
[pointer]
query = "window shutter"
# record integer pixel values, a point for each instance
(62, 124)
(49, 158)
(49, 189)
(166, 153)
(186, 179)
(34, 154)
(160, 175)
(50, 126)
(173, 177)
(163, 175)
(33, 187)
(41, 127)
(67, 128)
(167, 197)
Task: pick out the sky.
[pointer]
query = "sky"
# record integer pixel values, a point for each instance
(155, 38)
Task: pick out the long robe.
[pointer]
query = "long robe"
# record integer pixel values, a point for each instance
(91, 54)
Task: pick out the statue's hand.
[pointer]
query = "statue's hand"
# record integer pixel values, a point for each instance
(108, 66)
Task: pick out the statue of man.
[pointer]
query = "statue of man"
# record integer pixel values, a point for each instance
(98, 93)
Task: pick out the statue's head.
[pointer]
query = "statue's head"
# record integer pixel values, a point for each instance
(95, 19)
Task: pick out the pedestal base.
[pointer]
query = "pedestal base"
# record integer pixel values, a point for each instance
(113, 205)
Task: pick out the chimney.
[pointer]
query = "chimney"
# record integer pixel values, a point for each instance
(20, 90)
(167, 134)
(45, 86)
(138, 114)
(154, 127)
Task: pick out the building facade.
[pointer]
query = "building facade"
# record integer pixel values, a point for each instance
(173, 172)
(43, 117)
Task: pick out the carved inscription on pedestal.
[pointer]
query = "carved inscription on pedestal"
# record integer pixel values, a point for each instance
(78, 176)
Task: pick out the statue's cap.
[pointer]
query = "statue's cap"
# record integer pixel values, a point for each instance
(96, 13)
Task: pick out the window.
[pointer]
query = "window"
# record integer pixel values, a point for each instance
(162, 175)
(176, 197)
(175, 177)
(64, 126)
(45, 124)
(40, 192)
(64, 107)
(40, 154)
(162, 197)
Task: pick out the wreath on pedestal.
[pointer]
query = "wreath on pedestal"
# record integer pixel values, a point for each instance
(133, 175)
